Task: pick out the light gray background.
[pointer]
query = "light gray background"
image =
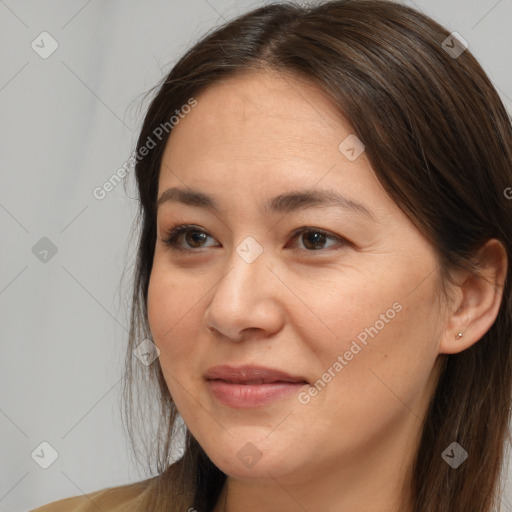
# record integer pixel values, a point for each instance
(67, 123)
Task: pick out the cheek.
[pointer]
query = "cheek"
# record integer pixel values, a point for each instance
(170, 310)
(338, 311)
(159, 306)
(173, 309)
(386, 362)
(168, 300)
(371, 336)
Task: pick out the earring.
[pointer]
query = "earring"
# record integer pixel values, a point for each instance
(458, 336)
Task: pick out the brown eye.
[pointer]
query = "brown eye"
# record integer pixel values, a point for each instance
(314, 239)
(194, 238)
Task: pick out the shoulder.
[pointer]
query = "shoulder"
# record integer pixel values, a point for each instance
(112, 499)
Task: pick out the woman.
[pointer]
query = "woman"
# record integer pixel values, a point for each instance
(323, 269)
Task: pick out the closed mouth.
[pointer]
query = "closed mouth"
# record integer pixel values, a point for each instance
(260, 381)
(252, 375)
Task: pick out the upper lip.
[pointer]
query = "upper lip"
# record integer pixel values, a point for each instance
(246, 373)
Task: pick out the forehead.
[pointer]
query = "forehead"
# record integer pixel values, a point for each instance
(268, 113)
(256, 136)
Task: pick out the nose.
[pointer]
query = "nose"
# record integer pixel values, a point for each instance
(246, 301)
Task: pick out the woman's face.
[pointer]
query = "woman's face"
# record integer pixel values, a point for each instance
(346, 305)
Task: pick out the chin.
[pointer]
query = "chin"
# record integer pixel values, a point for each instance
(262, 458)
(264, 469)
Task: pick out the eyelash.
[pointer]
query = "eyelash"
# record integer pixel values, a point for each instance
(172, 235)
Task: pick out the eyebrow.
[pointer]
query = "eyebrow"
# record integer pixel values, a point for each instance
(283, 203)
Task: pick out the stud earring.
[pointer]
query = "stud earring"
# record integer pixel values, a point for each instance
(458, 336)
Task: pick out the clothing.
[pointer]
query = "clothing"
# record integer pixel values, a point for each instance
(123, 498)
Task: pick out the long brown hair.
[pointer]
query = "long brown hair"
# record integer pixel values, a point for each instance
(440, 142)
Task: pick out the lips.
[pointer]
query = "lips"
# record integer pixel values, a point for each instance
(251, 375)
(251, 386)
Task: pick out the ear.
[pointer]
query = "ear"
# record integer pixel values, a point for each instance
(476, 299)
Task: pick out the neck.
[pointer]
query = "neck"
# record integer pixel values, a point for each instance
(372, 480)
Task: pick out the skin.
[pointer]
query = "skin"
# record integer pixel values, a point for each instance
(297, 308)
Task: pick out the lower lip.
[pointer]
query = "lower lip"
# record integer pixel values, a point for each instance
(252, 395)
